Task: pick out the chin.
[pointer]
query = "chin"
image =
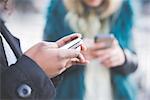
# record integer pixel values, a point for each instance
(94, 5)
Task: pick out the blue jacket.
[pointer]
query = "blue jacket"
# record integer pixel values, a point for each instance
(72, 87)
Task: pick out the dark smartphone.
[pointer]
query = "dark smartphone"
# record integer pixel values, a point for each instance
(105, 38)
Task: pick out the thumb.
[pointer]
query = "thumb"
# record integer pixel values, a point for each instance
(67, 39)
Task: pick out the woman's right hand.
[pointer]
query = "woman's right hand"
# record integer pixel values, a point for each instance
(92, 47)
(108, 56)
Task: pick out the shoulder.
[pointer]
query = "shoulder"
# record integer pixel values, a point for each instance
(56, 5)
(126, 8)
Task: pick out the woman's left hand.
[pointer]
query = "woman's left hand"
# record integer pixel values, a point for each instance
(111, 57)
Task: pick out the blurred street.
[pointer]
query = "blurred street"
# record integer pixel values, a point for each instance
(142, 42)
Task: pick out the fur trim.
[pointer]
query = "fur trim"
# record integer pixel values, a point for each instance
(114, 5)
(75, 6)
(92, 24)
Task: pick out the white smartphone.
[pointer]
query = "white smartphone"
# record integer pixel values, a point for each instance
(75, 44)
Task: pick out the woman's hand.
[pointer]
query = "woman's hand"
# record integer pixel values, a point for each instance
(109, 57)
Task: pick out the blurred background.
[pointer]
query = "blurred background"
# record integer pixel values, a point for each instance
(28, 22)
(141, 35)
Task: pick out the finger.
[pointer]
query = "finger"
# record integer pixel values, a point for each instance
(111, 65)
(99, 53)
(71, 62)
(98, 46)
(104, 57)
(83, 47)
(107, 63)
(81, 58)
(79, 63)
(75, 61)
(115, 43)
(67, 39)
(110, 62)
(71, 53)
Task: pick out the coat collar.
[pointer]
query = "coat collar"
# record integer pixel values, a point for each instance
(3, 59)
(12, 41)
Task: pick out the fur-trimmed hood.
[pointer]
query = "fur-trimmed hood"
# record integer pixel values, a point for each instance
(114, 5)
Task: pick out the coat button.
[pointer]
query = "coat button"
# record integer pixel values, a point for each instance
(24, 91)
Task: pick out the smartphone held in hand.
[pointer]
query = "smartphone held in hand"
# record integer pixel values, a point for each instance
(107, 39)
(75, 44)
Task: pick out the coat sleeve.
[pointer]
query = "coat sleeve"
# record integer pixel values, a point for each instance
(130, 65)
(26, 80)
(122, 30)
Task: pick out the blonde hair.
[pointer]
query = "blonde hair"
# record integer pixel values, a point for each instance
(91, 21)
(80, 8)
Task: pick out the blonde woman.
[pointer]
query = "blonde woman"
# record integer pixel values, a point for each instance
(106, 77)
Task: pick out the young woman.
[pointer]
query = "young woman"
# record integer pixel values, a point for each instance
(106, 77)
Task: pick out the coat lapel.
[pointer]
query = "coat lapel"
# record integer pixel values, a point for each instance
(3, 61)
(12, 41)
